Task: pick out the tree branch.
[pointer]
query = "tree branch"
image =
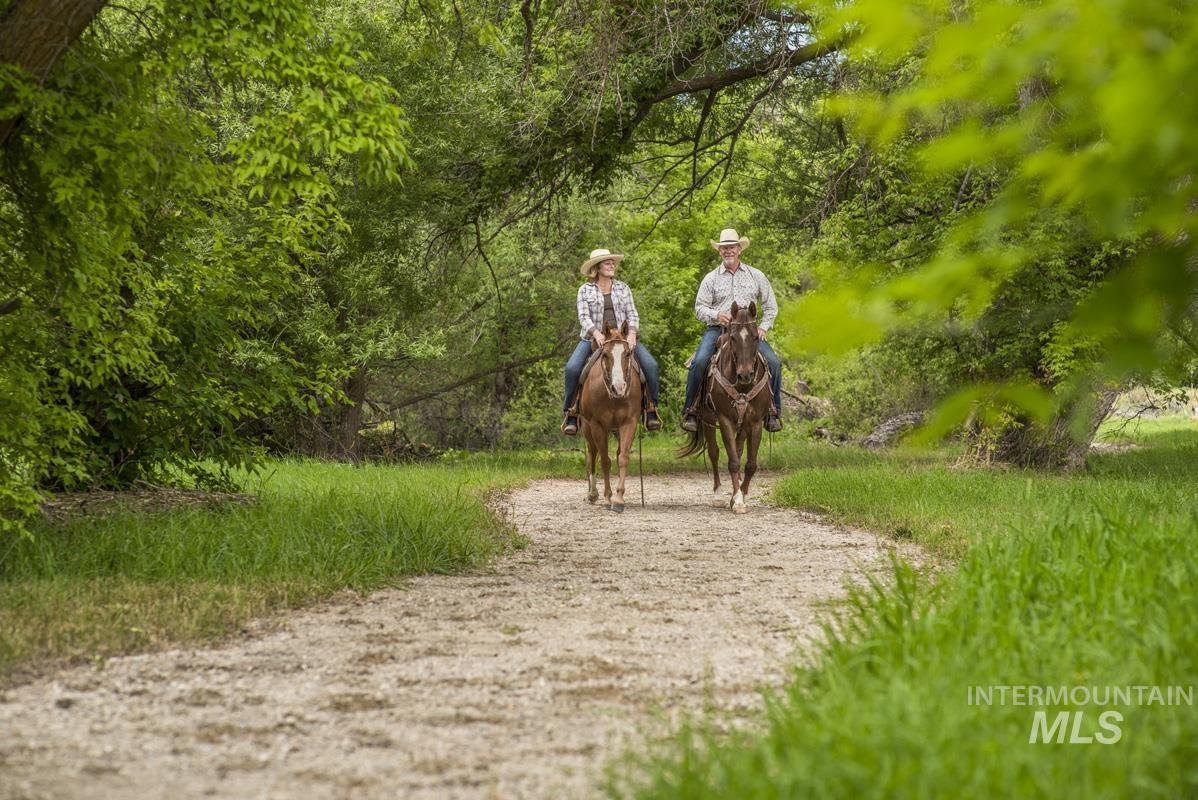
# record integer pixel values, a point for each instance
(471, 378)
(788, 59)
(783, 18)
(34, 35)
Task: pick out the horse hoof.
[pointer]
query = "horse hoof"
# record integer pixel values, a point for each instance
(741, 509)
(591, 498)
(718, 502)
(617, 507)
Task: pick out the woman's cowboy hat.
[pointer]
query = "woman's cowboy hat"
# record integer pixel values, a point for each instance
(730, 236)
(598, 256)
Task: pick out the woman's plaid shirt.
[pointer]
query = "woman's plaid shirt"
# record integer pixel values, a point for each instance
(590, 307)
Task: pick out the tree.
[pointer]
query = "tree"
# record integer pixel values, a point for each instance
(166, 180)
(1078, 117)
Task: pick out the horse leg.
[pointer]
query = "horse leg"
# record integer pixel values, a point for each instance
(606, 468)
(592, 489)
(713, 454)
(738, 499)
(623, 452)
(741, 436)
(751, 459)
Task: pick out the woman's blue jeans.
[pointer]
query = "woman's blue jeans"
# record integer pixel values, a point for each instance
(578, 360)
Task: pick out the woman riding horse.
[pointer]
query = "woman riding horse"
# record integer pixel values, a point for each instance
(604, 302)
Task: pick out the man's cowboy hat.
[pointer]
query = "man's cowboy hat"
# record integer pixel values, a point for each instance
(598, 256)
(730, 236)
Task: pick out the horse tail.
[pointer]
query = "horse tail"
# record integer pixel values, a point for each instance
(694, 443)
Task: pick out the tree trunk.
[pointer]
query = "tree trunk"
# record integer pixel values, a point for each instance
(502, 391)
(1057, 447)
(347, 419)
(34, 35)
(332, 433)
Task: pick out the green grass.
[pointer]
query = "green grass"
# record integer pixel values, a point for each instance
(99, 586)
(1089, 579)
(923, 496)
(102, 585)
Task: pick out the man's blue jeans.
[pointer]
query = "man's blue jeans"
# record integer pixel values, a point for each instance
(703, 356)
(578, 360)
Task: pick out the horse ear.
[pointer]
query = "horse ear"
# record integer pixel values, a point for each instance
(735, 309)
(624, 329)
(753, 309)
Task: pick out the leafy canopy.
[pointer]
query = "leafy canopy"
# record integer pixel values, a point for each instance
(1083, 111)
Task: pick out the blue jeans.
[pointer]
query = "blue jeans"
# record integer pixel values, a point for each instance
(703, 356)
(578, 360)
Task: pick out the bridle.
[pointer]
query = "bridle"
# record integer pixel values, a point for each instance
(606, 372)
(740, 399)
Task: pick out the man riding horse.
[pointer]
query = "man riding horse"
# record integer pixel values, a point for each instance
(605, 303)
(732, 282)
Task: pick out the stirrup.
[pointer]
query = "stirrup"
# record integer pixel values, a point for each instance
(570, 424)
(653, 424)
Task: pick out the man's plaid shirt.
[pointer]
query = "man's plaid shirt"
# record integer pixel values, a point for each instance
(590, 307)
(720, 287)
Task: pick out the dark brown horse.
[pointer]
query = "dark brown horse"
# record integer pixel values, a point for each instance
(610, 403)
(736, 397)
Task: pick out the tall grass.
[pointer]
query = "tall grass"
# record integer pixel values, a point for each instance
(1086, 580)
(99, 585)
(923, 496)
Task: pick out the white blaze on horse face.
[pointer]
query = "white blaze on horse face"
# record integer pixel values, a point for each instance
(617, 369)
(744, 333)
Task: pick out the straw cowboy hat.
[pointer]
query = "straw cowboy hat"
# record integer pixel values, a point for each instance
(598, 256)
(730, 236)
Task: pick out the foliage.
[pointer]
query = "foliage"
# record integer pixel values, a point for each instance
(158, 200)
(1077, 115)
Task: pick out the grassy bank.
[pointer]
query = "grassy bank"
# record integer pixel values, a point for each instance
(925, 496)
(100, 585)
(97, 586)
(1085, 580)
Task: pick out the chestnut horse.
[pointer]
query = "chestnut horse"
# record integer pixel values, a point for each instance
(610, 403)
(736, 397)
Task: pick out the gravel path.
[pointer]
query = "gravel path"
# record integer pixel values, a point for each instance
(520, 681)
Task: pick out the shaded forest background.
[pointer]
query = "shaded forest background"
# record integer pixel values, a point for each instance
(351, 227)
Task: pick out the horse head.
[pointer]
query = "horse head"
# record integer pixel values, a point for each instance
(742, 342)
(617, 360)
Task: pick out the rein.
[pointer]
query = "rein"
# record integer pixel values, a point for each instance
(740, 399)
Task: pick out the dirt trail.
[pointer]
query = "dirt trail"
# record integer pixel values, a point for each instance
(520, 681)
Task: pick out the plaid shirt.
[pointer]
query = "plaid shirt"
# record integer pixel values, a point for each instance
(720, 287)
(590, 307)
